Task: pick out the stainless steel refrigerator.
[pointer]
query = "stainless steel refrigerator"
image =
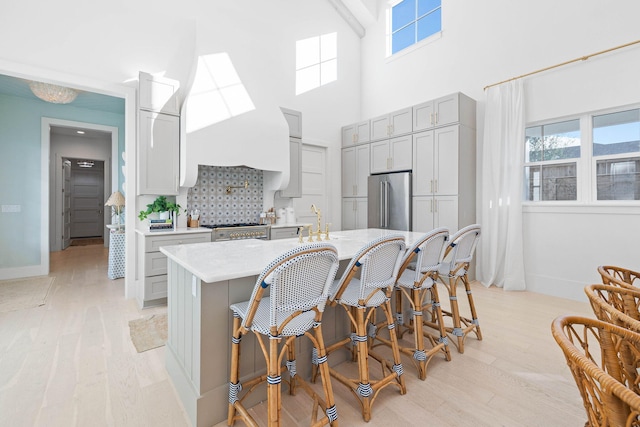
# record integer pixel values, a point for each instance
(389, 201)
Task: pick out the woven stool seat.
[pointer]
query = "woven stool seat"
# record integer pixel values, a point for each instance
(299, 282)
(365, 285)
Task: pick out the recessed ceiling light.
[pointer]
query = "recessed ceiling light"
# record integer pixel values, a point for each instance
(81, 132)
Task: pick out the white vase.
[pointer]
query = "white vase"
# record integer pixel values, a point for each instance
(164, 215)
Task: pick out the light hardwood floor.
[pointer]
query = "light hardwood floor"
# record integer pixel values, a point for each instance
(71, 363)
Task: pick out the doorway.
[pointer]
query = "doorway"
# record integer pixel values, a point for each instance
(314, 185)
(77, 211)
(85, 215)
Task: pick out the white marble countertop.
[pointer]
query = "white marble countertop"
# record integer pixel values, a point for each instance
(182, 230)
(218, 261)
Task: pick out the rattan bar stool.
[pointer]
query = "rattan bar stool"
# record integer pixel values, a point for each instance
(612, 275)
(299, 282)
(378, 264)
(591, 346)
(417, 280)
(453, 270)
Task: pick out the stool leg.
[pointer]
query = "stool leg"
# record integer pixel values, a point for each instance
(274, 384)
(291, 365)
(418, 337)
(472, 307)
(436, 311)
(325, 377)
(397, 363)
(455, 313)
(235, 369)
(364, 388)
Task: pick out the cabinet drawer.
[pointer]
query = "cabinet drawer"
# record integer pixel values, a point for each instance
(155, 287)
(284, 233)
(153, 243)
(155, 263)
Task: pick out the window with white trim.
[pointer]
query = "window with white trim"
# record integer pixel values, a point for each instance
(316, 62)
(594, 157)
(413, 21)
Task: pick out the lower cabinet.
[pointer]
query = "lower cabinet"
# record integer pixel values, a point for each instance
(354, 213)
(152, 264)
(431, 212)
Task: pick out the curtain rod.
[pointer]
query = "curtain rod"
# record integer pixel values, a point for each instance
(582, 58)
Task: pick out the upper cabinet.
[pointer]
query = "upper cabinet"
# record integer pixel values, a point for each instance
(356, 133)
(294, 120)
(158, 94)
(456, 108)
(158, 136)
(392, 155)
(355, 171)
(158, 154)
(394, 124)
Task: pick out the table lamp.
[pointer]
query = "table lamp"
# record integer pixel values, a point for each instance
(116, 201)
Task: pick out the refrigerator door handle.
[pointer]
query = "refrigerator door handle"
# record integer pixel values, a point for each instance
(382, 204)
(386, 204)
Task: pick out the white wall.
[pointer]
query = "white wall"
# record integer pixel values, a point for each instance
(486, 42)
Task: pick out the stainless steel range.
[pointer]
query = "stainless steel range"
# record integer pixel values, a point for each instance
(222, 232)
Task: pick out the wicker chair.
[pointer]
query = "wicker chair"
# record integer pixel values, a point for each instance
(619, 276)
(299, 282)
(452, 270)
(619, 306)
(590, 347)
(378, 264)
(416, 280)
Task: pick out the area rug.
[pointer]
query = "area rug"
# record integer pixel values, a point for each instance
(87, 241)
(148, 333)
(18, 294)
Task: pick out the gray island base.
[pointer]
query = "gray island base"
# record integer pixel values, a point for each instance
(203, 280)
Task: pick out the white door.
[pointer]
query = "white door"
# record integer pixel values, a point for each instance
(314, 186)
(87, 200)
(66, 203)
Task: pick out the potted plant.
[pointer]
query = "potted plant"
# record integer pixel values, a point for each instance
(159, 205)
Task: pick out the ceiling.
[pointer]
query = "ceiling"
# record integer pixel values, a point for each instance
(14, 86)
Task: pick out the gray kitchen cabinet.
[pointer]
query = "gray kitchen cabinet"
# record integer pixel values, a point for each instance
(355, 170)
(391, 155)
(393, 124)
(433, 212)
(354, 213)
(152, 264)
(444, 178)
(278, 233)
(158, 154)
(357, 133)
(454, 108)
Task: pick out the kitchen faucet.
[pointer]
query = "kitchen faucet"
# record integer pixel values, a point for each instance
(319, 232)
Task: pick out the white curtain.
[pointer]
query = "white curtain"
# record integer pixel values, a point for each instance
(500, 252)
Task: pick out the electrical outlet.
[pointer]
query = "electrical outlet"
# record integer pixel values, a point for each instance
(11, 208)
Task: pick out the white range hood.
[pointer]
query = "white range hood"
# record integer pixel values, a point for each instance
(225, 123)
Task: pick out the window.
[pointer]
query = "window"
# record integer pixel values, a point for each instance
(316, 62)
(414, 20)
(615, 135)
(591, 158)
(548, 174)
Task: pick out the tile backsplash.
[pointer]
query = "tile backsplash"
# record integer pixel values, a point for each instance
(217, 207)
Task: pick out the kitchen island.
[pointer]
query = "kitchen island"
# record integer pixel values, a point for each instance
(203, 280)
